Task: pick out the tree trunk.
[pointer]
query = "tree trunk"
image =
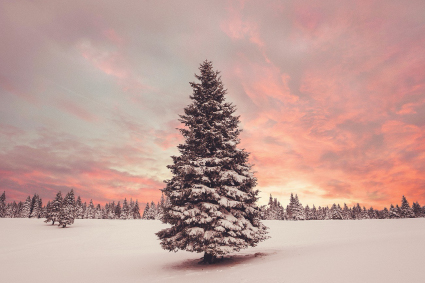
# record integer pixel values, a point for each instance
(209, 258)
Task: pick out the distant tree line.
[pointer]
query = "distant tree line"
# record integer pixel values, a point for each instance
(64, 210)
(295, 211)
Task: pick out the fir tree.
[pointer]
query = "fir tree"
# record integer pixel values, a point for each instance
(146, 211)
(79, 211)
(3, 204)
(125, 210)
(212, 198)
(111, 210)
(336, 212)
(67, 211)
(346, 212)
(90, 211)
(36, 206)
(417, 210)
(394, 213)
(405, 210)
(26, 209)
(136, 210)
(55, 206)
(98, 214)
(313, 213)
(385, 214)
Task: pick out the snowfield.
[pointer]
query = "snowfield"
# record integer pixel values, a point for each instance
(128, 251)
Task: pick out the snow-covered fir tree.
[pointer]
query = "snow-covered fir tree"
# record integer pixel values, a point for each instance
(393, 213)
(372, 213)
(274, 210)
(55, 206)
(98, 213)
(307, 213)
(90, 211)
(336, 212)
(3, 204)
(146, 212)
(136, 210)
(79, 209)
(26, 209)
(417, 210)
(212, 197)
(36, 206)
(346, 212)
(67, 210)
(313, 213)
(118, 210)
(405, 210)
(125, 210)
(295, 210)
(385, 214)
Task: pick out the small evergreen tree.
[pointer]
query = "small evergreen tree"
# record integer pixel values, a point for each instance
(385, 214)
(118, 211)
(125, 210)
(79, 211)
(36, 206)
(67, 210)
(3, 205)
(90, 211)
(146, 211)
(405, 210)
(417, 210)
(394, 213)
(212, 198)
(136, 210)
(26, 209)
(55, 207)
(336, 212)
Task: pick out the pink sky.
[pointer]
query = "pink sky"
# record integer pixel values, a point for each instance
(331, 95)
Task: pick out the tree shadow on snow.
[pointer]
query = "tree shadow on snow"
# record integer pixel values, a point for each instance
(226, 261)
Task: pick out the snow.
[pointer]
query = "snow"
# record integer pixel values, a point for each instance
(94, 250)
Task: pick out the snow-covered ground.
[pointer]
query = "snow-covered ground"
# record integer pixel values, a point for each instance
(128, 251)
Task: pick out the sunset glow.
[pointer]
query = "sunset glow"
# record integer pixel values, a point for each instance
(331, 95)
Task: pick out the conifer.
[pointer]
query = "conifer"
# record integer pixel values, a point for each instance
(212, 198)
(67, 210)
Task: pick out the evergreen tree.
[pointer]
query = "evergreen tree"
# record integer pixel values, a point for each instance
(136, 210)
(153, 211)
(307, 212)
(3, 204)
(79, 211)
(26, 209)
(417, 210)
(296, 210)
(90, 211)
(118, 211)
(213, 202)
(405, 210)
(357, 212)
(125, 210)
(385, 214)
(336, 212)
(372, 213)
(67, 210)
(346, 212)
(36, 206)
(161, 207)
(394, 213)
(111, 210)
(313, 213)
(55, 207)
(146, 212)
